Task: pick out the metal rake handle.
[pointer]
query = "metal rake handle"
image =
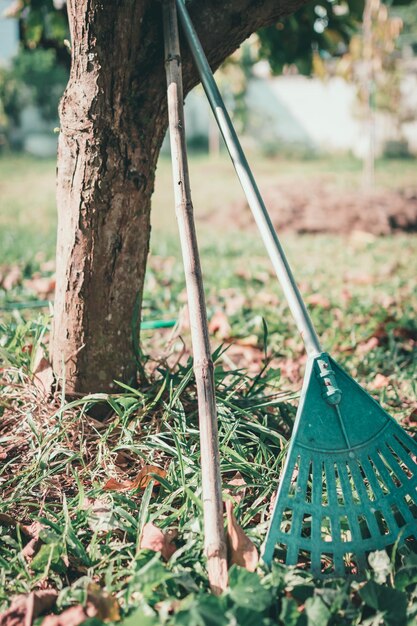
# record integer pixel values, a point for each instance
(253, 196)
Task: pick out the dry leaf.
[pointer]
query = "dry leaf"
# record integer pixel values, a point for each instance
(106, 606)
(153, 538)
(30, 549)
(251, 341)
(73, 616)
(43, 376)
(380, 381)
(242, 551)
(219, 325)
(367, 346)
(100, 605)
(24, 609)
(359, 278)
(316, 299)
(412, 418)
(11, 278)
(236, 487)
(43, 286)
(141, 481)
(101, 517)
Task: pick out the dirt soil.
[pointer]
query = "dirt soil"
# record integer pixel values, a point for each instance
(320, 208)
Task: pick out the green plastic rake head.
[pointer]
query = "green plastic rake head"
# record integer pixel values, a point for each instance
(349, 485)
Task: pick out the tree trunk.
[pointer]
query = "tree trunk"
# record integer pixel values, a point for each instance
(113, 120)
(106, 168)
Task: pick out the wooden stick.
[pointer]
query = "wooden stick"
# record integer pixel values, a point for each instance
(214, 540)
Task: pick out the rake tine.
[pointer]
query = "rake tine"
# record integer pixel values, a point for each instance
(392, 466)
(316, 519)
(383, 506)
(350, 505)
(400, 459)
(298, 510)
(405, 457)
(334, 512)
(380, 496)
(404, 509)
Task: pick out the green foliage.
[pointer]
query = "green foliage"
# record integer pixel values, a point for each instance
(35, 78)
(322, 29)
(44, 25)
(325, 28)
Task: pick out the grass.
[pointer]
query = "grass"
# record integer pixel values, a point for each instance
(56, 458)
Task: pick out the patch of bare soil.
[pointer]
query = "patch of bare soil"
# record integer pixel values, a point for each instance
(319, 208)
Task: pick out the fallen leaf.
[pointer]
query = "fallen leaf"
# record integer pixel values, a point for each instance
(367, 346)
(412, 418)
(358, 278)
(251, 341)
(8, 520)
(11, 278)
(236, 487)
(30, 549)
(141, 481)
(25, 609)
(43, 376)
(219, 325)
(242, 551)
(107, 606)
(380, 381)
(316, 299)
(101, 517)
(100, 605)
(73, 616)
(153, 538)
(43, 286)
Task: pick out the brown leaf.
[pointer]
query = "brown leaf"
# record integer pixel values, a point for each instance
(11, 278)
(25, 608)
(43, 376)
(251, 341)
(380, 381)
(367, 346)
(32, 530)
(73, 616)
(153, 538)
(100, 604)
(141, 481)
(316, 299)
(242, 551)
(236, 487)
(106, 606)
(43, 286)
(412, 418)
(30, 549)
(219, 325)
(8, 520)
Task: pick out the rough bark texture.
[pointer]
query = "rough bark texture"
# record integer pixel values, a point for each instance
(113, 120)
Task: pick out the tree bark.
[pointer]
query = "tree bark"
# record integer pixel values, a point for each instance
(113, 120)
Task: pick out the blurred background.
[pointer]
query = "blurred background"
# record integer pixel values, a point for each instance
(326, 105)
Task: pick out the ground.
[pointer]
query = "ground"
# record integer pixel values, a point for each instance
(70, 519)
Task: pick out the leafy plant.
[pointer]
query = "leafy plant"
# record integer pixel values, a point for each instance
(35, 79)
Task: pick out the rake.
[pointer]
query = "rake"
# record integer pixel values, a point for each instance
(349, 483)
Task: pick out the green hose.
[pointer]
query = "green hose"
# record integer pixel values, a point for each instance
(39, 304)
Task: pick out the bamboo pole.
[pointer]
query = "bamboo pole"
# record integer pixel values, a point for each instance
(214, 539)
